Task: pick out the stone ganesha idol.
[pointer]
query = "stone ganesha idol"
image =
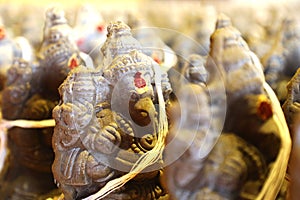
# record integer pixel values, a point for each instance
(59, 53)
(250, 156)
(31, 94)
(105, 123)
(28, 172)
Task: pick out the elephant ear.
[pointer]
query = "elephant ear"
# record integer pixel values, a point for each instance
(80, 92)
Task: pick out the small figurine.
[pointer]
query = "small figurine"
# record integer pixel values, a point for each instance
(224, 40)
(59, 53)
(87, 18)
(107, 126)
(90, 31)
(28, 173)
(246, 88)
(239, 162)
(54, 16)
(11, 48)
(153, 46)
(31, 93)
(194, 69)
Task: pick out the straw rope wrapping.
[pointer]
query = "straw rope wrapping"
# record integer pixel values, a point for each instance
(7, 124)
(149, 157)
(277, 174)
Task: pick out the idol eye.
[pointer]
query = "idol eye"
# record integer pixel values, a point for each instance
(134, 96)
(55, 37)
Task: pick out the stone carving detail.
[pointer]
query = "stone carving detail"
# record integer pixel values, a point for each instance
(106, 122)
